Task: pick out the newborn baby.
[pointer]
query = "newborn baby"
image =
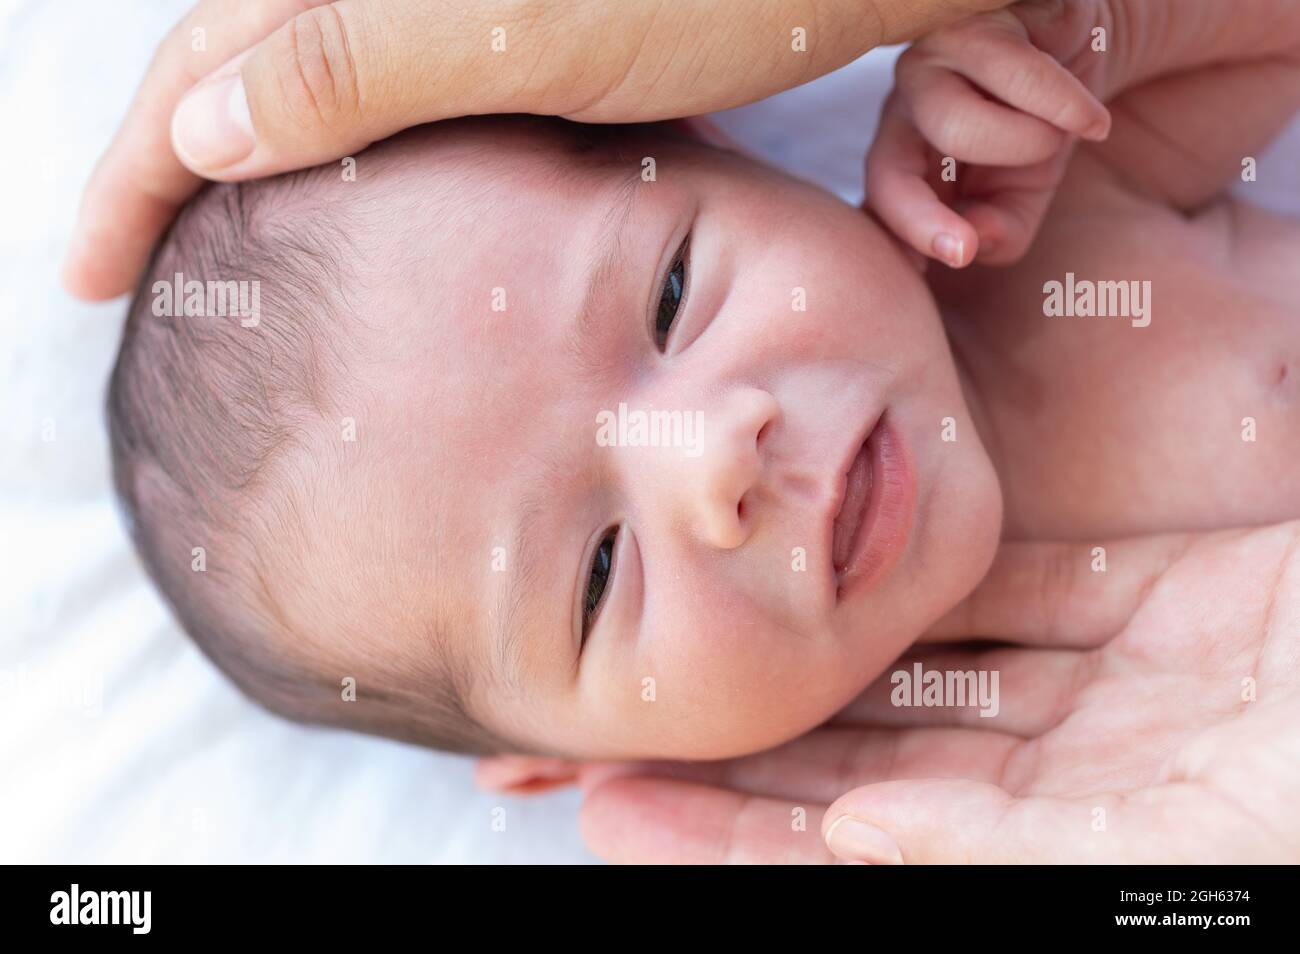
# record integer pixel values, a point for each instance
(609, 443)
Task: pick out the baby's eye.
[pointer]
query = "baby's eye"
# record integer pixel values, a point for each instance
(670, 297)
(602, 566)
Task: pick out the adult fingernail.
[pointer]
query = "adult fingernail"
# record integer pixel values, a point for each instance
(212, 128)
(949, 248)
(851, 837)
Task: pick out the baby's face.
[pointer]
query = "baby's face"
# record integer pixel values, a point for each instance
(623, 584)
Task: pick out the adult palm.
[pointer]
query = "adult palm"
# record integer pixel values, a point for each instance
(1149, 711)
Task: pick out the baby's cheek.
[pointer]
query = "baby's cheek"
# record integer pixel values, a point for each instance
(704, 635)
(718, 680)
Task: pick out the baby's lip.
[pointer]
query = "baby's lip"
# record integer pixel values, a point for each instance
(876, 495)
(854, 498)
(852, 452)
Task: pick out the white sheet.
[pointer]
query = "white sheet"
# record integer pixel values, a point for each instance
(120, 742)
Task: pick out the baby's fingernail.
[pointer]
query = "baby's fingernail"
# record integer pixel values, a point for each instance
(851, 837)
(1098, 130)
(212, 128)
(949, 248)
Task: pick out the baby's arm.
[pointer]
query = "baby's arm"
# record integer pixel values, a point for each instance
(1194, 86)
(1197, 85)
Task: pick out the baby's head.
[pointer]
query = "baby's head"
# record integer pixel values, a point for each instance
(537, 442)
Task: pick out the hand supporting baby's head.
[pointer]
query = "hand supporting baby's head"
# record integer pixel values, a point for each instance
(547, 447)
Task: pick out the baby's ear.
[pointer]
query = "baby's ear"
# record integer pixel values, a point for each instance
(524, 774)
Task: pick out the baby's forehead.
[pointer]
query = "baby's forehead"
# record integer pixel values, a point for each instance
(489, 241)
(463, 156)
(481, 168)
(483, 252)
(442, 213)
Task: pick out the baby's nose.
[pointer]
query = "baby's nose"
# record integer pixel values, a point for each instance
(729, 464)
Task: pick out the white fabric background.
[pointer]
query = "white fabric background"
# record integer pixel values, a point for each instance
(119, 741)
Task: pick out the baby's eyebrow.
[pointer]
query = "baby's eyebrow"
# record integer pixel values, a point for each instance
(512, 612)
(609, 255)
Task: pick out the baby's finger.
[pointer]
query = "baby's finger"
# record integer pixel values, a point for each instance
(997, 56)
(1006, 224)
(1006, 206)
(897, 191)
(959, 122)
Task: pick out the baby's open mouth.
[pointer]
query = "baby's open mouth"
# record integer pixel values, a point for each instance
(857, 494)
(875, 514)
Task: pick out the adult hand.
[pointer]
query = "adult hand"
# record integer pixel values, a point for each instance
(285, 84)
(1150, 713)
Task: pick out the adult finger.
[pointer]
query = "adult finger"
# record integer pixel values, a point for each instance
(1062, 594)
(1012, 692)
(966, 822)
(823, 764)
(963, 822)
(335, 77)
(347, 73)
(139, 184)
(661, 821)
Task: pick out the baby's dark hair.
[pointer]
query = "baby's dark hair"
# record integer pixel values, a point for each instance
(211, 424)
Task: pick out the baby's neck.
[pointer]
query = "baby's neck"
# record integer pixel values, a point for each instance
(980, 416)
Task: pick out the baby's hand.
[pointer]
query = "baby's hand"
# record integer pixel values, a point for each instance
(975, 136)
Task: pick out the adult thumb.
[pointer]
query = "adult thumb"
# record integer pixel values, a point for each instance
(952, 821)
(342, 75)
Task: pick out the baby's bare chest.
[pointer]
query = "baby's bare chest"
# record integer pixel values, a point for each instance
(1145, 379)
